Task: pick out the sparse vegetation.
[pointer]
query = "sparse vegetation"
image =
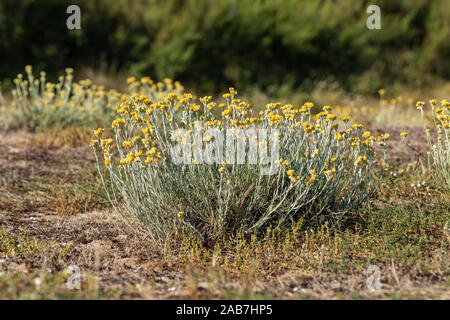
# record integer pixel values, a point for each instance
(320, 176)
(404, 231)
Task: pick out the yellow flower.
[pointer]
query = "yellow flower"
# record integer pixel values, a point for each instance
(194, 107)
(128, 144)
(331, 116)
(308, 180)
(366, 134)
(290, 172)
(404, 134)
(106, 143)
(118, 123)
(180, 214)
(99, 132)
(361, 160)
(330, 173)
(208, 139)
(128, 159)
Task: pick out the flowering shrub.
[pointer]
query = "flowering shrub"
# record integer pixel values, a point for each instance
(154, 91)
(439, 153)
(37, 103)
(323, 166)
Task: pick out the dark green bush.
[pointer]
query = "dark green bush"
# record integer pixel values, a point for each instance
(234, 42)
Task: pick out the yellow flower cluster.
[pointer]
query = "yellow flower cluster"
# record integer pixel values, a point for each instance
(40, 103)
(292, 175)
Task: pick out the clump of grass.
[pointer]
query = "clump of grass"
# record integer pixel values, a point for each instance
(324, 168)
(22, 246)
(44, 285)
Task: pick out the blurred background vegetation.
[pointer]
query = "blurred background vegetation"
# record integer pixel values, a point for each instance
(274, 46)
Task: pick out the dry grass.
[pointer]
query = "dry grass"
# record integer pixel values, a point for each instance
(52, 204)
(35, 178)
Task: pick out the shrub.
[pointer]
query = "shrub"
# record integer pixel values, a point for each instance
(324, 166)
(439, 152)
(38, 104)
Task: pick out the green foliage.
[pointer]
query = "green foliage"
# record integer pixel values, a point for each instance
(234, 42)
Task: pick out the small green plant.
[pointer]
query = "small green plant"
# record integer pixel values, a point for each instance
(22, 246)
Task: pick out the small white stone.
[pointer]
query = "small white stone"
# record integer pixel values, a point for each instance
(37, 282)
